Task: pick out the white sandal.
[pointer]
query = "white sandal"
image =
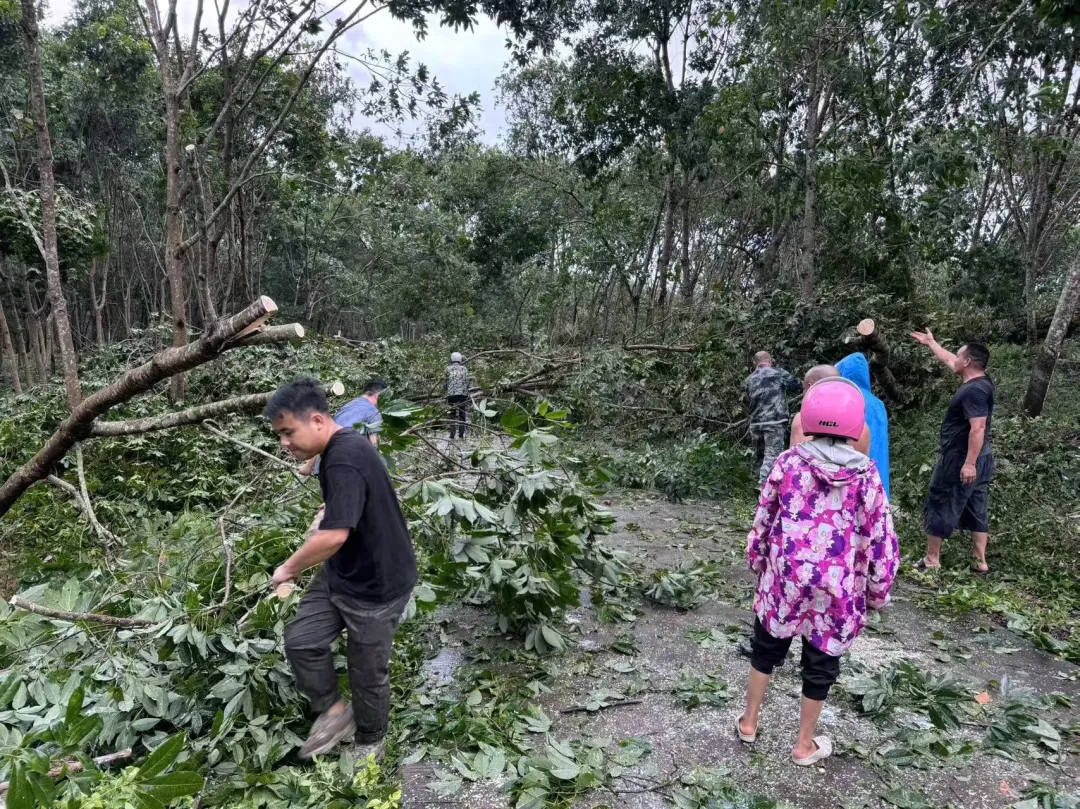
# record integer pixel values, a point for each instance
(746, 738)
(824, 750)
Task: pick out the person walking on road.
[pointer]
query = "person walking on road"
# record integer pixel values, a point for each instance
(825, 553)
(959, 494)
(766, 390)
(459, 383)
(364, 584)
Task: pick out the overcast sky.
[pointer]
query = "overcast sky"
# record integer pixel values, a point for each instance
(463, 61)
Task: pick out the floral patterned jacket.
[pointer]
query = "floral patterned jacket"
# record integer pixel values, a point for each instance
(824, 548)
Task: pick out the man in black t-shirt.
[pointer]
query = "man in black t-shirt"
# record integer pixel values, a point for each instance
(365, 583)
(960, 484)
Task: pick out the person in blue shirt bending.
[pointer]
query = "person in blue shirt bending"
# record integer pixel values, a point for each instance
(855, 368)
(361, 414)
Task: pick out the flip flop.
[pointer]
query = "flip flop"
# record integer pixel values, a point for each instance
(976, 570)
(745, 738)
(824, 750)
(922, 567)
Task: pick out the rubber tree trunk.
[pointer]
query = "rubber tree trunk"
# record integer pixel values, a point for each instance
(57, 301)
(808, 252)
(1046, 360)
(667, 246)
(9, 351)
(174, 253)
(20, 344)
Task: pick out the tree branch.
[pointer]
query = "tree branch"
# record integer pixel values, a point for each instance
(76, 766)
(206, 425)
(688, 349)
(79, 617)
(82, 500)
(161, 366)
(228, 563)
(193, 415)
(274, 334)
(339, 30)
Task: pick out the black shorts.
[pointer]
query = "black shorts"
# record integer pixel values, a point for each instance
(820, 671)
(952, 505)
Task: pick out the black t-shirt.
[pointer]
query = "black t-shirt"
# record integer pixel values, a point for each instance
(376, 563)
(974, 399)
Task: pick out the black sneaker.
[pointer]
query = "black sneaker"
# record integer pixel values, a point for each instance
(328, 730)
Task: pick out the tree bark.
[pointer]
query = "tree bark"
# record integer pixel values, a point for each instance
(1046, 361)
(193, 415)
(174, 237)
(808, 254)
(9, 351)
(667, 245)
(85, 617)
(37, 340)
(21, 344)
(57, 301)
(97, 306)
(132, 382)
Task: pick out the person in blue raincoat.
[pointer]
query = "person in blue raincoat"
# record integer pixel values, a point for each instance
(855, 368)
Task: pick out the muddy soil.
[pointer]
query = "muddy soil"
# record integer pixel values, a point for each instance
(660, 534)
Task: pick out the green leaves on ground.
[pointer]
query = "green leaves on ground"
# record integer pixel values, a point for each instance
(693, 690)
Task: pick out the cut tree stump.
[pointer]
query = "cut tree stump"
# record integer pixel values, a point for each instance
(869, 339)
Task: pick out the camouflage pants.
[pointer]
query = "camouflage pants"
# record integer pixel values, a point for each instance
(768, 444)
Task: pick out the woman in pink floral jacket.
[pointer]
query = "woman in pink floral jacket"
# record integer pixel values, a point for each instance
(825, 551)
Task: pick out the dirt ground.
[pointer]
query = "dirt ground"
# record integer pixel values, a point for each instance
(660, 534)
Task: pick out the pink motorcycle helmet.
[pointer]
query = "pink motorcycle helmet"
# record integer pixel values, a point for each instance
(834, 407)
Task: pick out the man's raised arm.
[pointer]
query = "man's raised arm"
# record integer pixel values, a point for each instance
(944, 356)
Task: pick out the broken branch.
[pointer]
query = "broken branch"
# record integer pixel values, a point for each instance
(228, 562)
(75, 766)
(208, 426)
(603, 706)
(869, 339)
(137, 380)
(657, 347)
(274, 334)
(79, 617)
(86, 508)
(194, 415)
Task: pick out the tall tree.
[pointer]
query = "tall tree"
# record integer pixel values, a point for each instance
(48, 243)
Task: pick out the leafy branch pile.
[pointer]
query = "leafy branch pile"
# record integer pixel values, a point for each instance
(508, 526)
(958, 724)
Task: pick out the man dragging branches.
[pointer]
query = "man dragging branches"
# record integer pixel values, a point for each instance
(365, 584)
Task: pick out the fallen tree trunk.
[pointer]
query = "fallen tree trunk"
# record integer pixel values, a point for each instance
(161, 366)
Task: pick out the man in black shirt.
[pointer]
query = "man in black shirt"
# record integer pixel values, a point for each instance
(365, 584)
(960, 484)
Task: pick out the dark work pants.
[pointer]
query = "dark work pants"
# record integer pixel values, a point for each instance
(459, 415)
(819, 670)
(320, 619)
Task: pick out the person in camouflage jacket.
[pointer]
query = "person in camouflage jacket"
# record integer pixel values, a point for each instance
(766, 397)
(459, 383)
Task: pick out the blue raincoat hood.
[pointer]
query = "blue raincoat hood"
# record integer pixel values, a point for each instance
(854, 367)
